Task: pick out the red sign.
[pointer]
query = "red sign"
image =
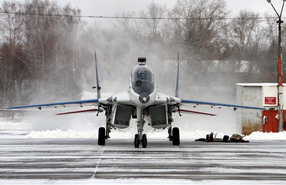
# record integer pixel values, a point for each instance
(270, 101)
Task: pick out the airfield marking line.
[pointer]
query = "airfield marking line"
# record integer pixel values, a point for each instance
(97, 164)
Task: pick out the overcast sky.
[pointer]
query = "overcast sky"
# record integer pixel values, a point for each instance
(115, 7)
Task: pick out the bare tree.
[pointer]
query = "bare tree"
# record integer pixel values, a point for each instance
(247, 41)
(11, 26)
(201, 29)
(154, 26)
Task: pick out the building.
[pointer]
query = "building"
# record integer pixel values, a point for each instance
(259, 95)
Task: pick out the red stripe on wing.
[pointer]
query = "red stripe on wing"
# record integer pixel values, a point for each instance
(80, 111)
(196, 112)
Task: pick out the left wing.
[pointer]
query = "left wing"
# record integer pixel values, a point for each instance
(220, 104)
(80, 102)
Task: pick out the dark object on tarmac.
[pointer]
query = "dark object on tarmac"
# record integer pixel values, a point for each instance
(225, 138)
(234, 138)
(210, 137)
(237, 138)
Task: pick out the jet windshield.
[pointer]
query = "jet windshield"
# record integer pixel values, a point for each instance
(142, 80)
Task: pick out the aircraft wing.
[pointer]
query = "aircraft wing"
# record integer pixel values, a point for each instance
(80, 102)
(220, 104)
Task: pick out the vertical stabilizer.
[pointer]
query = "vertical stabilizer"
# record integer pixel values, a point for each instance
(97, 79)
(178, 75)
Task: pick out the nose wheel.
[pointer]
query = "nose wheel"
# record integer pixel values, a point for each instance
(136, 141)
(143, 141)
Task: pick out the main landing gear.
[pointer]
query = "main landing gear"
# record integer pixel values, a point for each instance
(101, 136)
(174, 136)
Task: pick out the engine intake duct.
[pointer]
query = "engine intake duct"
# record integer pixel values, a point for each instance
(158, 116)
(122, 116)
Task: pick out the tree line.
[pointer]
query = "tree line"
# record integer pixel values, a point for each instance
(47, 50)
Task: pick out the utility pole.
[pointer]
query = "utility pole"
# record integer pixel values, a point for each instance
(279, 68)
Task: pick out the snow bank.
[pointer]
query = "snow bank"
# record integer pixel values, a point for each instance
(12, 125)
(129, 133)
(61, 134)
(116, 134)
(153, 134)
(266, 136)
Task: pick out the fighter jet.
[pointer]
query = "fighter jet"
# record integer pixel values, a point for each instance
(141, 102)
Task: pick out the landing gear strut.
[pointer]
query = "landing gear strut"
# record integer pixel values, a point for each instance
(140, 138)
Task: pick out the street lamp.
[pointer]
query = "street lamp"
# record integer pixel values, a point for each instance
(279, 67)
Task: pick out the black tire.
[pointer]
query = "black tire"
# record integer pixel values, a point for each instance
(101, 136)
(136, 141)
(176, 136)
(144, 141)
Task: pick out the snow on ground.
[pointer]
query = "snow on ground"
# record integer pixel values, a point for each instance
(115, 134)
(12, 125)
(233, 159)
(158, 134)
(152, 135)
(126, 133)
(266, 136)
(61, 134)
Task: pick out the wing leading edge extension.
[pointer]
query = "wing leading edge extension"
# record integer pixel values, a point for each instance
(80, 102)
(220, 104)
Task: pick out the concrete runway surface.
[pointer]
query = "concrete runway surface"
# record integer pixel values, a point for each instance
(73, 159)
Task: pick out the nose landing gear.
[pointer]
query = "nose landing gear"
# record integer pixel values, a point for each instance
(143, 141)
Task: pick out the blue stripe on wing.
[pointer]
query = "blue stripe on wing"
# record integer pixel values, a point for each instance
(54, 104)
(220, 104)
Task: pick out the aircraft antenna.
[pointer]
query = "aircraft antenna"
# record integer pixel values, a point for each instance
(178, 74)
(97, 79)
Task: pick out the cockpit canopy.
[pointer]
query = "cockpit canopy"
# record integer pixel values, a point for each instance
(142, 80)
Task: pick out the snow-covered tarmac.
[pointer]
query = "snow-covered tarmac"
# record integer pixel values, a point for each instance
(81, 161)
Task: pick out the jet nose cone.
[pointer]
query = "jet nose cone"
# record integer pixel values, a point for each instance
(144, 98)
